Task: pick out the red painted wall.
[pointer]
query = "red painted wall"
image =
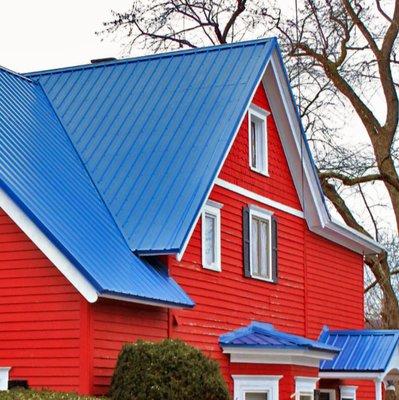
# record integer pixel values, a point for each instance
(39, 315)
(319, 282)
(115, 323)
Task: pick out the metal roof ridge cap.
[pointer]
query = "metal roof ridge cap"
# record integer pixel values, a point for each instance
(17, 74)
(151, 56)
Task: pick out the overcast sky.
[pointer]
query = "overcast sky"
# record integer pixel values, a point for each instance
(42, 34)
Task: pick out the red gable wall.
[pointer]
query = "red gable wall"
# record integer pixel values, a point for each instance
(39, 315)
(319, 282)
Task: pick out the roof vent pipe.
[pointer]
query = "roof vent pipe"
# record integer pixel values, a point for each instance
(102, 60)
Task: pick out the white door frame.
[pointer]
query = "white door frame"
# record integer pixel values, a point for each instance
(256, 384)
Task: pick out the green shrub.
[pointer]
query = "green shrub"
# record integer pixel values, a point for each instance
(40, 395)
(169, 370)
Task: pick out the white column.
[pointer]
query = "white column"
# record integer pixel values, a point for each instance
(378, 389)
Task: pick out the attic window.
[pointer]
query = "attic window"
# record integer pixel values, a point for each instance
(211, 236)
(257, 129)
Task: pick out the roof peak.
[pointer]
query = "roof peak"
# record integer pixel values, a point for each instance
(153, 56)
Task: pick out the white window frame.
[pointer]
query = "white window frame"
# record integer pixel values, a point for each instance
(331, 392)
(305, 386)
(212, 208)
(347, 392)
(267, 216)
(260, 115)
(244, 384)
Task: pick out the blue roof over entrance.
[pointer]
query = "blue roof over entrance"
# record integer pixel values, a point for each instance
(361, 350)
(264, 336)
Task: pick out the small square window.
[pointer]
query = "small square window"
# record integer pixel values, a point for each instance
(260, 244)
(258, 159)
(211, 258)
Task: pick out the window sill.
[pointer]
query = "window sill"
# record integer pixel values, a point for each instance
(258, 171)
(214, 268)
(259, 278)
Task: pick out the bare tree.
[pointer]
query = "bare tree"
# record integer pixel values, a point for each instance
(341, 56)
(351, 44)
(172, 24)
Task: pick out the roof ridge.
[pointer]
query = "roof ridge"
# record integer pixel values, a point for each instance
(151, 56)
(16, 74)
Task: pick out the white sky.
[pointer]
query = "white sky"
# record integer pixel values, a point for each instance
(43, 34)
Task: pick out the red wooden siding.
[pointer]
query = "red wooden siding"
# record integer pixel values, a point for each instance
(319, 282)
(39, 315)
(115, 323)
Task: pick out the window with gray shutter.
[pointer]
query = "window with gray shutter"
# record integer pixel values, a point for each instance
(260, 244)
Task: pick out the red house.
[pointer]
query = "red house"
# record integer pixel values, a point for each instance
(175, 196)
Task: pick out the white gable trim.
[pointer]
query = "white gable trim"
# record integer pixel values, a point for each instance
(299, 161)
(82, 285)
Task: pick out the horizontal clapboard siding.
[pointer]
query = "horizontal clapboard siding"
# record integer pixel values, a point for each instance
(39, 315)
(115, 323)
(318, 282)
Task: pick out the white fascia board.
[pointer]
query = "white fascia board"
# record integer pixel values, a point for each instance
(310, 358)
(351, 375)
(81, 284)
(128, 299)
(299, 161)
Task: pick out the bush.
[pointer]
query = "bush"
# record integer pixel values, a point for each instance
(169, 370)
(40, 395)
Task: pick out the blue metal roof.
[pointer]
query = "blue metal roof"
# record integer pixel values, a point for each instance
(262, 335)
(361, 350)
(41, 171)
(153, 131)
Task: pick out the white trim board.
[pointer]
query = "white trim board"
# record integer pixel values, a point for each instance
(81, 284)
(259, 198)
(309, 358)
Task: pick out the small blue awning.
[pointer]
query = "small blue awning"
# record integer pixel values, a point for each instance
(262, 336)
(361, 350)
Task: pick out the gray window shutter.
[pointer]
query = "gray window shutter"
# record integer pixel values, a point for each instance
(246, 245)
(274, 250)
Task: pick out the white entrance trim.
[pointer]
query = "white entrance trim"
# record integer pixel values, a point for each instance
(349, 392)
(309, 358)
(305, 385)
(256, 384)
(82, 285)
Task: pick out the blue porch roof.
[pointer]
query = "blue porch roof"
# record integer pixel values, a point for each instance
(264, 336)
(42, 172)
(361, 350)
(153, 131)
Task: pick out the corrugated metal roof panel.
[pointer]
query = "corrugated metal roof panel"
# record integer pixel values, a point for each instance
(153, 131)
(361, 350)
(41, 171)
(262, 335)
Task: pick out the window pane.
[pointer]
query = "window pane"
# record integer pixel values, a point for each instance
(210, 245)
(256, 396)
(264, 249)
(305, 397)
(260, 146)
(253, 144)
(260, 248)
(255, 246)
